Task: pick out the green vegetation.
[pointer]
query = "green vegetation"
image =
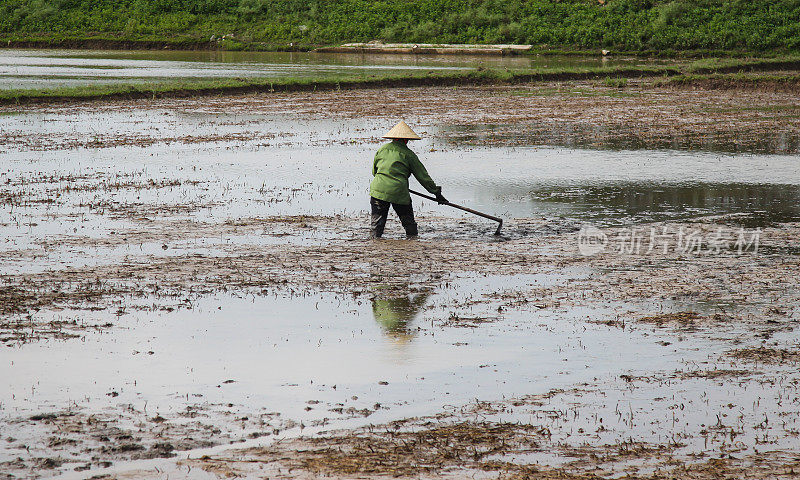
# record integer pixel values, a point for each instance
(206, 87)
(615, 77)
(615, 82)
(662, 26)
(210, 87)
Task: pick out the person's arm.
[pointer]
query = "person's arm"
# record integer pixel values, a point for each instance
(421, 174)
(375, 165)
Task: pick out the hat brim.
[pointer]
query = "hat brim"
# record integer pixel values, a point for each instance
(401, 131)
(399, 137)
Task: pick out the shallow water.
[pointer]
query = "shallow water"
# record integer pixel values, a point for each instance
(278, 349)
(284, 166)
(62, 68)
(91, 174)
(309, 357)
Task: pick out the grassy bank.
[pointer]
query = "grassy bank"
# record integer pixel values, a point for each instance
(176, 89)
(109, 41)
(626, 25)
(719, 81)
(237, 86)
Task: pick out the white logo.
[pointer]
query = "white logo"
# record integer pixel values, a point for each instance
(591, 240)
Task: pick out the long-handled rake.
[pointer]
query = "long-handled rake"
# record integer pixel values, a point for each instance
(474, 212)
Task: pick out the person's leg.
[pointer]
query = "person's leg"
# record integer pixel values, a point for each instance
(380, 210)
(406, 214)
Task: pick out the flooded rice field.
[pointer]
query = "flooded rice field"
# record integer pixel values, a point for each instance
(188, 289)
(69, 68)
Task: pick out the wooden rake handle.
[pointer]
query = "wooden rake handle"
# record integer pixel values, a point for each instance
(466, 209)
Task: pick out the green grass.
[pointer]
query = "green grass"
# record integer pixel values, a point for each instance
(205, 87)
(662, 27)
(616, 77)
(201, 87)
(744, 64)
(615, 82)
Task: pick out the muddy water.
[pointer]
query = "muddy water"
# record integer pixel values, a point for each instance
(52, 68)
(280, 349)
(86, 187)
(326, 360)
(322, 167)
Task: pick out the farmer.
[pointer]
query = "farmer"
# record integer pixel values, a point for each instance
(394, 163)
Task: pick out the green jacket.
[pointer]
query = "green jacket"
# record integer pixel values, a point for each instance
(394, 163)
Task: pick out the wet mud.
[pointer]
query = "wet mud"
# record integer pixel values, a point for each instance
(174, 302)
(452, 450)
(570, 113)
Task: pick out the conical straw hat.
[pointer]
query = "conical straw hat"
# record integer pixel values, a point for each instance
(401, 130)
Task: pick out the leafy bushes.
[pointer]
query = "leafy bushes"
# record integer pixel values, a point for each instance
(631, 25)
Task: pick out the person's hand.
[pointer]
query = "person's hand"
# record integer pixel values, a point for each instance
(440, 199)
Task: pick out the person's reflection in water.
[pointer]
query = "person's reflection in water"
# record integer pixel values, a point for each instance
(395, 314)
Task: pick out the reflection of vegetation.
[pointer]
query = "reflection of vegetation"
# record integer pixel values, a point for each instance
(773, 203)
(624, 136)
(633, 25)
(395, 315)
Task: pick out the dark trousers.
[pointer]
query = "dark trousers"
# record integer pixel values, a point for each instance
(380, 211)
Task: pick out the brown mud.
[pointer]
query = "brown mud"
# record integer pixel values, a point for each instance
(356, 265)
(463, 444)
(438, 449)
(441, 446)
(570, 113)
(779, 81)
(678, 293)
(53, 439)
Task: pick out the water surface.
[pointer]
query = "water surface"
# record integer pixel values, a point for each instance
(92, 173)
(322, 167)
(64, 68)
